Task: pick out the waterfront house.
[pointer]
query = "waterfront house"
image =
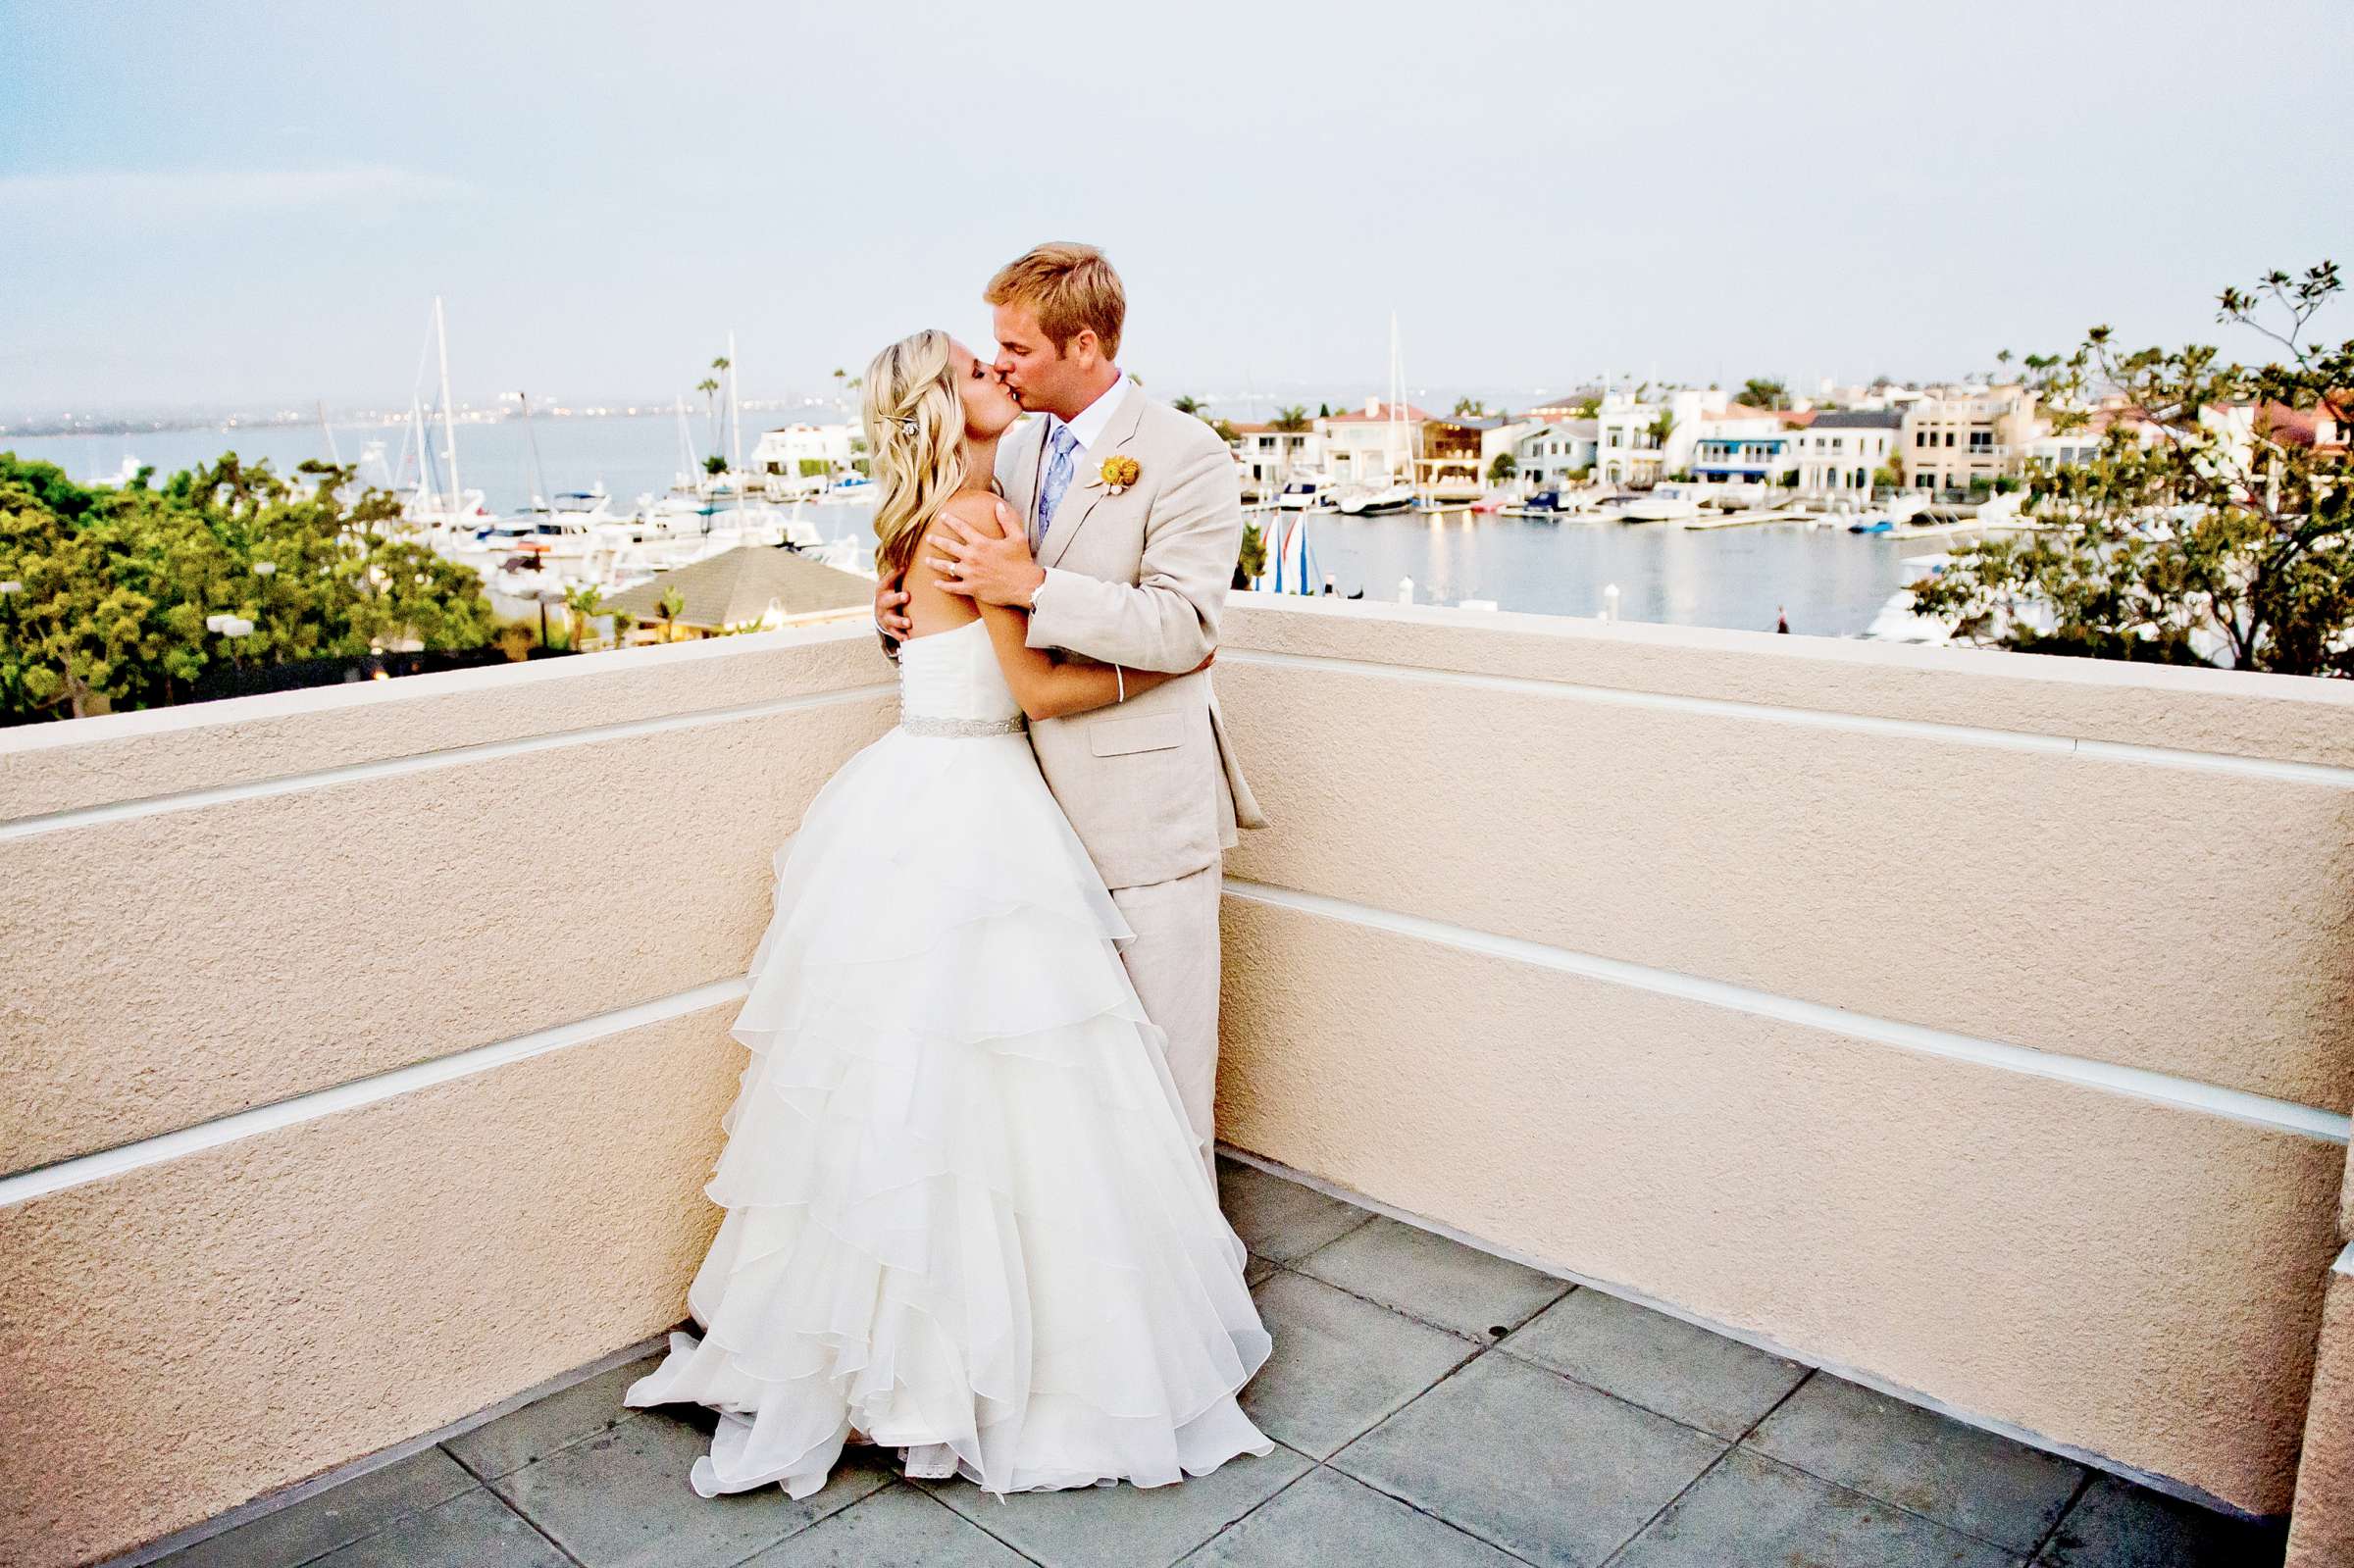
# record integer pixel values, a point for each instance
(808, 451)
(1448, 464)
(1742, 445)
(1558, 453)
(1953, 439)
(751, 587)
(1837, 453)
(1265, 457)
(1368, 446)
(1643, 441)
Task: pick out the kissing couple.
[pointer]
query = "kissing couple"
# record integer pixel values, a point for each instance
(970, 1190)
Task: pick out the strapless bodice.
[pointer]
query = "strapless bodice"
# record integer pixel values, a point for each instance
(954, 675)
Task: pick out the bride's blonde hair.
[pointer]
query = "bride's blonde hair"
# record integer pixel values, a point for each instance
(915, 427)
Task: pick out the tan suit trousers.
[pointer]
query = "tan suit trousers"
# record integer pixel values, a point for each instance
(1173, 963)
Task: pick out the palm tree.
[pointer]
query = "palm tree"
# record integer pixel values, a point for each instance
(1475, 407)
(584, 600)
(710, 390)
(1186, 403)
(670, 604)
(1291, 420)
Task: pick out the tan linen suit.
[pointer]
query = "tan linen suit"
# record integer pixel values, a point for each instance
(1151, 784)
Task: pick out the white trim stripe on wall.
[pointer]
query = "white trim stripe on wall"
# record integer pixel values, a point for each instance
(2184, 1094)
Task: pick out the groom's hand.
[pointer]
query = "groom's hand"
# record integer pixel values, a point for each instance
(993, 571)
(890, 598)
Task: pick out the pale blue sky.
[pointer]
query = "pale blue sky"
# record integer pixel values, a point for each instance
(234, 204)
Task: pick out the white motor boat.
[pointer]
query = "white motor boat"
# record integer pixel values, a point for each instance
(1305, 492)
(1670, 502)
(1362, 501)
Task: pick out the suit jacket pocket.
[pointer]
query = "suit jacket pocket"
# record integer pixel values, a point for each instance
(1113, 737)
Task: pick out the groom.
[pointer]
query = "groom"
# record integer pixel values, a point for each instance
(1123, 520)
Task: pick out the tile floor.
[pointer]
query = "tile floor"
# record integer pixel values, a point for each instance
(1432, 1405)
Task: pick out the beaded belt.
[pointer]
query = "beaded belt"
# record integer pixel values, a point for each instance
(916, 724)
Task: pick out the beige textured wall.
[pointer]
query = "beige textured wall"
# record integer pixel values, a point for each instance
(187, 1335)
(2322, 1532)
(1977, 1022)
(221, 922)
(1660, 908)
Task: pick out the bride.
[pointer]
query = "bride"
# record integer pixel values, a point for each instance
(966, 1217)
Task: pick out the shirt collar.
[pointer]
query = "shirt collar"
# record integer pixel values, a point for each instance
(1089, 426)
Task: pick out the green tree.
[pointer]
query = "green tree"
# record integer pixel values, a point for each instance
(584, 602)
(1586, 409)
(709, 387)
(2209, 518)
(670, 604)
(1759, 392)
(1475, 408)
(1253, 562)
(116, 586)
(1291, 419)
(1660, 429)
(1186, 403)
(1226, 432)
(1501, 469)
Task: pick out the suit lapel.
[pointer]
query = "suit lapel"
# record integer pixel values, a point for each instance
(1088, 484)
(1027, 456)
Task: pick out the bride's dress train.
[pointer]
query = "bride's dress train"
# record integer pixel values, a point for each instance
(964, 1206)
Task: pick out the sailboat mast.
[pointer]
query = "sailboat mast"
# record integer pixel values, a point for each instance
(735, 410)
(329, 430)
(685, 444)
(449, 425)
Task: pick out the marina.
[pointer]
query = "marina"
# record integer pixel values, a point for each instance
(1733, 570)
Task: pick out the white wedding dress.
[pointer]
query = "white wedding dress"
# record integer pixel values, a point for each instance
(965, 1212)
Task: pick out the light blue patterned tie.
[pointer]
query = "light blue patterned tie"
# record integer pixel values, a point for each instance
(1058, 480)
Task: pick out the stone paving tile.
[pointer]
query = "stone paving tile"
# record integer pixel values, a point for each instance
(1750, 1509)
(1280, 1218)
(2118, 1525)
(1548, 1469)
(1123, 1526)
(1990, 1487)
(1324, 1517)
(1435, 1278)
(1257, 1269)
(1340, 1364)
(1659, 1362)
(621, 1499)
(899, 1524)
(325, 1520)
(473, 1529)
(545, 1425)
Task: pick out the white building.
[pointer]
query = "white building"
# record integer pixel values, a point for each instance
(1556, 454)
(1369, 447)
(1632, 449)
(1742, 445)
(1265, 457)
(1839, 452)
(788, 449)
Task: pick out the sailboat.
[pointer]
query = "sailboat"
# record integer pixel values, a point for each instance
(446, 514)
(1403, 437)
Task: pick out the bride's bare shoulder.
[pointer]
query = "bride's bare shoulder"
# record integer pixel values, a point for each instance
(976, 510)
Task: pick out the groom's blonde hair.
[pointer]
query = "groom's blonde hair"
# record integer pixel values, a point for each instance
(1070, 288)
(915, 427)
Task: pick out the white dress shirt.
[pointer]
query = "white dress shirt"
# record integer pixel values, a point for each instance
(1087, 428)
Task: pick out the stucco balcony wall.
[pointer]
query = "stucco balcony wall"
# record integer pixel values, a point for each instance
(1970, 1024)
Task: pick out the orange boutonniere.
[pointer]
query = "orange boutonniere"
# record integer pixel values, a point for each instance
(1119, 472)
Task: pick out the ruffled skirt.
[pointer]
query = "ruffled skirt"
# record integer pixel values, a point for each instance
(963, 1205)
